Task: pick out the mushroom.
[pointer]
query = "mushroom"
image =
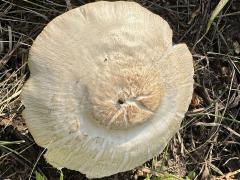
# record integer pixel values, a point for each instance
(108, 89)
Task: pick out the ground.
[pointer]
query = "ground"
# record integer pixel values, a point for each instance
(208, 143)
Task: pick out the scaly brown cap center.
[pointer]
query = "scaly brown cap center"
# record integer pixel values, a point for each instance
(126, 96)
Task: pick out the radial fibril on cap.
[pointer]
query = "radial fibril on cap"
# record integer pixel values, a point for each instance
(107, 89)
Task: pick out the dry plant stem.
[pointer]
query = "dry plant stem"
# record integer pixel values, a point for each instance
(69, 5)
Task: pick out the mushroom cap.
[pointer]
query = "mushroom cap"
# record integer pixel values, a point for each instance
(107, 90)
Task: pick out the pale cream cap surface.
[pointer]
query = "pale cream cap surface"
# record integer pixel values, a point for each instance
(107, 89)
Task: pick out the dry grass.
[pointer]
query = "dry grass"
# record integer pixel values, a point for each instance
(207, 146)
